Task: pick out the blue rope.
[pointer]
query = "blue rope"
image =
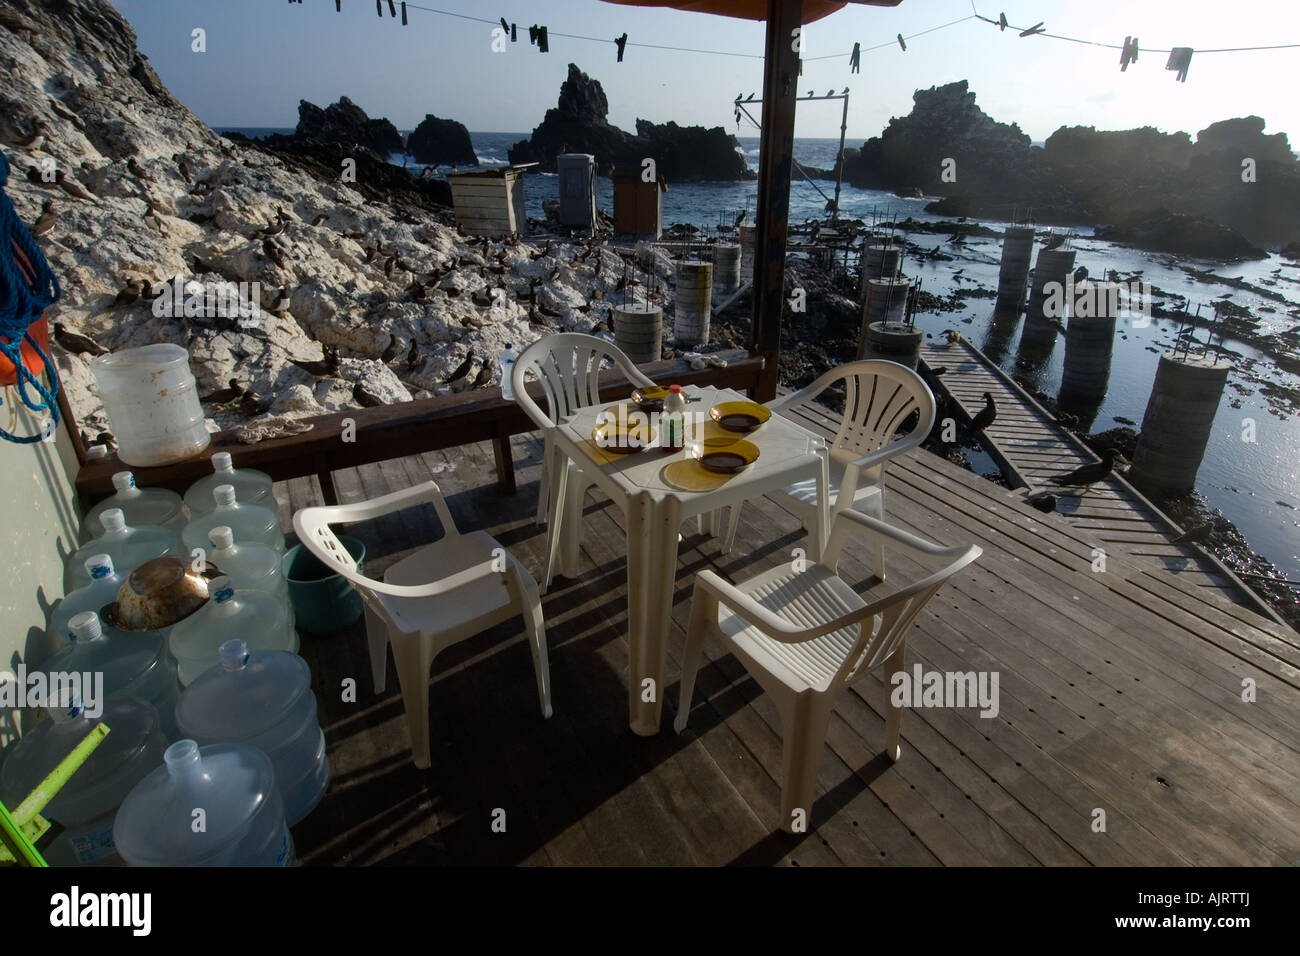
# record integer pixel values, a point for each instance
(21, 304)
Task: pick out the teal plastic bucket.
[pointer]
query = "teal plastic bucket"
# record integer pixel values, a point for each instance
(322, 599)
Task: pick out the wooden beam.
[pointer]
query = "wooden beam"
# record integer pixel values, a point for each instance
(776, 156)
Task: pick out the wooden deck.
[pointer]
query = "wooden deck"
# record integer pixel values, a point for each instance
(1119, 691)
(1030, 447)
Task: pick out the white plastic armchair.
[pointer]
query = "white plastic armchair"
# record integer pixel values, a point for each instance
(880, 398)
(568, 366)
(445, 592)
(805, 635)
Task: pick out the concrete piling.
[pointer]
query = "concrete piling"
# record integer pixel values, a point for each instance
(638, 331)
(1177, 423)
(693, 302)
(884, 301)
(1017, 248)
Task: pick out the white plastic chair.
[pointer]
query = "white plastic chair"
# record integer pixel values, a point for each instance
(806, 635)
(879, 398)
(445, 592)
(568, 365)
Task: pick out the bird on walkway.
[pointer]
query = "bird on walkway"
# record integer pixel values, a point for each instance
(44, 225)
(953, 336)
(224, 396)
(985, 416)
(322, 368)
(1197, 535)
(413, 357)
(1044, 502)
(1080, 273)
(390, 353)
(484, 377)
(462, 369)
(939, 370)
(1090, 473)
(75, 342)
(364, 396)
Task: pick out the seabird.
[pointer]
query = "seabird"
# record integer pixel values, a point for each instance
(45, 224)
(38, 136)
(390, 353)
(1090, 473)
(133, 290)
(550, 313)
(1197, 535)
(322, 368)
(413, 357)
(76, 343)
(224, 396)
(72, 187)
(137, 170)
(484, 376)
(462, 369)
(1044, 502)
(418, 292)
(273, 252)
(555, 274)
(319, 219)
(365, 397)
(389, 266)
(985, 416)
(953, 336)
(252, 404)
(184, 169)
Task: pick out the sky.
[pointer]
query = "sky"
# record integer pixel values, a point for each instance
(263, 56)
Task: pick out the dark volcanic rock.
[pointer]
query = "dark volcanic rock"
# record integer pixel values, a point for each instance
(441, 142)
(1181, 234)
(578, 123)
(347, 124)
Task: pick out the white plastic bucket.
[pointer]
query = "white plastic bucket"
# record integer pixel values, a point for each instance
(152, 404)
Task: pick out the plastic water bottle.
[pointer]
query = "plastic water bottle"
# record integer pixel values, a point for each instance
(252, 487)
(140, 506)
(86, 805)
(247, 522)
(133, 663)
(243, 815)
(101, 591)
(129, 547)
(506, 358)
(262, 620)
(262, 698)
(250, 565)
(672, 429)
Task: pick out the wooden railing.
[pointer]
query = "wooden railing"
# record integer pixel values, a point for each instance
(394, 431)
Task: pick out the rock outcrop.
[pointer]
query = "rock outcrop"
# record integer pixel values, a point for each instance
(579, 123)
(441, 142)
(1181, 234)
(347, 124)
(150, 195)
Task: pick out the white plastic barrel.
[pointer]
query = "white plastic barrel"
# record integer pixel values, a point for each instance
(152, 404)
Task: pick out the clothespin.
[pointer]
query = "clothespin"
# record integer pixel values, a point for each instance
(855, 57)
(1002, 21)
(620, 42)
(542, 46)
(403, 12)
(379, 7)
(901, 43)
(505, 27)
(1130, 53)
(338, 6)
(532, 33)
(392, 10)
(1036, 28)
(1180, 57)
(514, 36)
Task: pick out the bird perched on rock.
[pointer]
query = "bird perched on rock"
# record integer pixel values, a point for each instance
(44, 224)
(37, 139)
(418, 291)
(67, 114)
(985, 416)
(550, 313)
(1044, 502)
(462, 369)
(389, 265)
(76, 343)
(224, 396)
(482, 301)
(132, 291)
(273, 252)
(252, 404)
(319, 219)
(555, 274)
(484, 376)
(1197, 535)
(390, 353)
(72, 187)
(322, 368)
(137, 170)
(364, 396)
(183, 168)
(1090, 473)
(413, 357)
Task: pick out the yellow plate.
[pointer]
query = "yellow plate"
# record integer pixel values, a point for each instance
(739, 416)
(622, 434)
(729, 459)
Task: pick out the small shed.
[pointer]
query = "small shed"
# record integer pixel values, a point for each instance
(577, 172)
(638, 205)
(490, 202)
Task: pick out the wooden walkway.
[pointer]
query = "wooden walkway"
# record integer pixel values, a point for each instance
(1120, 692)
(1030, 447)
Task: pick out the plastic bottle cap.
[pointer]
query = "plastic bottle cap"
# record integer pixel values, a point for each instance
(222, 537)
(674, 388)
(99, 566)
(85, 626)
(96, 451)
(233, 654)
(124, 482)
(182, 758)
(510, 345)
(113, 519)
(221, 461)
(224, 495)
(221, 589)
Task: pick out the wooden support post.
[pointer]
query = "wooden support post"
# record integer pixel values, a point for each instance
(776, 156)
(329, 494)
(504, 460)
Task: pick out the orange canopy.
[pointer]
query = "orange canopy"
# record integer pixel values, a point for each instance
(746, 9)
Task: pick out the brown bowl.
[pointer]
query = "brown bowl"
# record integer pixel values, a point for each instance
(159, 593)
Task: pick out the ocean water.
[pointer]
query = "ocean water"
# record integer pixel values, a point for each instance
(1255, 484)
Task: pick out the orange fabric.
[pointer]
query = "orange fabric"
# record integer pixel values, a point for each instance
(40, 331)
(813, 10)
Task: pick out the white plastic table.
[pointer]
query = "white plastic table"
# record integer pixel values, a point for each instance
(658, 490)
